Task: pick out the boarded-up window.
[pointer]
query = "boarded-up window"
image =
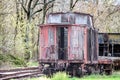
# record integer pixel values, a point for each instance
(68, 18)
(64, 18)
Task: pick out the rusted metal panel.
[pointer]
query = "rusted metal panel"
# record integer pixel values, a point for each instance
(95, 47)
(86, 47)
(43, 42)
(76, 43)
(91, 47)
(82, 43)
(89, 52)
(48, 43)
(104, 60)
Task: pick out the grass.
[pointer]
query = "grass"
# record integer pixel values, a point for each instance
(60, 76)
(101, 77)
(40, 78)
(32, 63)
(64, 76)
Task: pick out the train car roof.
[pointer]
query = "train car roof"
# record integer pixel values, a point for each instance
(70, 13)
(59, 24)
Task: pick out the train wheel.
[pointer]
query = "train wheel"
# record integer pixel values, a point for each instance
(77, 71)
(88, 70)
(108, 72)
(108, 69)
(101, 69)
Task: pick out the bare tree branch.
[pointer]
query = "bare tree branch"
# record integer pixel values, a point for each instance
(71, 3)
(23, 2)
(74, 4)
(114, 11)
(26, 1)
(50, 2)
(35, 4)
(40, 3)
(47, 4)
(24, 7)
(49, 7)
(36, 12)
(29, 5)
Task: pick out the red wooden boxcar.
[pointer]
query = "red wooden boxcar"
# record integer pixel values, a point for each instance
(68, 42)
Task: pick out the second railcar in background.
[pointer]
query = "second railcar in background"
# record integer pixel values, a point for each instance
(68, 42)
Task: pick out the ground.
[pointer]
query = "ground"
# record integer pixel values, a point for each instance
(63, 76)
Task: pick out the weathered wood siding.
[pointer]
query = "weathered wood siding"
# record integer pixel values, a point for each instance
(76, 43)
(48, 43)
(92, 47)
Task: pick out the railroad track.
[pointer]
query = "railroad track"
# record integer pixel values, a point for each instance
(19, 73)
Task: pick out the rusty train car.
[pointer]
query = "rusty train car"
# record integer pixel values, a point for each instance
(111, 48)
(68, 42)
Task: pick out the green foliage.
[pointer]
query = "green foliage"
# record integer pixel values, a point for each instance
(12, 59)
(2, 58)
(32, 63)
(60, 76)
(40, 78)
(16, 60)
(64, 76)
(101, 77)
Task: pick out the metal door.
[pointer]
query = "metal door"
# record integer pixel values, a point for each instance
(76, 43)
(48, 45)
